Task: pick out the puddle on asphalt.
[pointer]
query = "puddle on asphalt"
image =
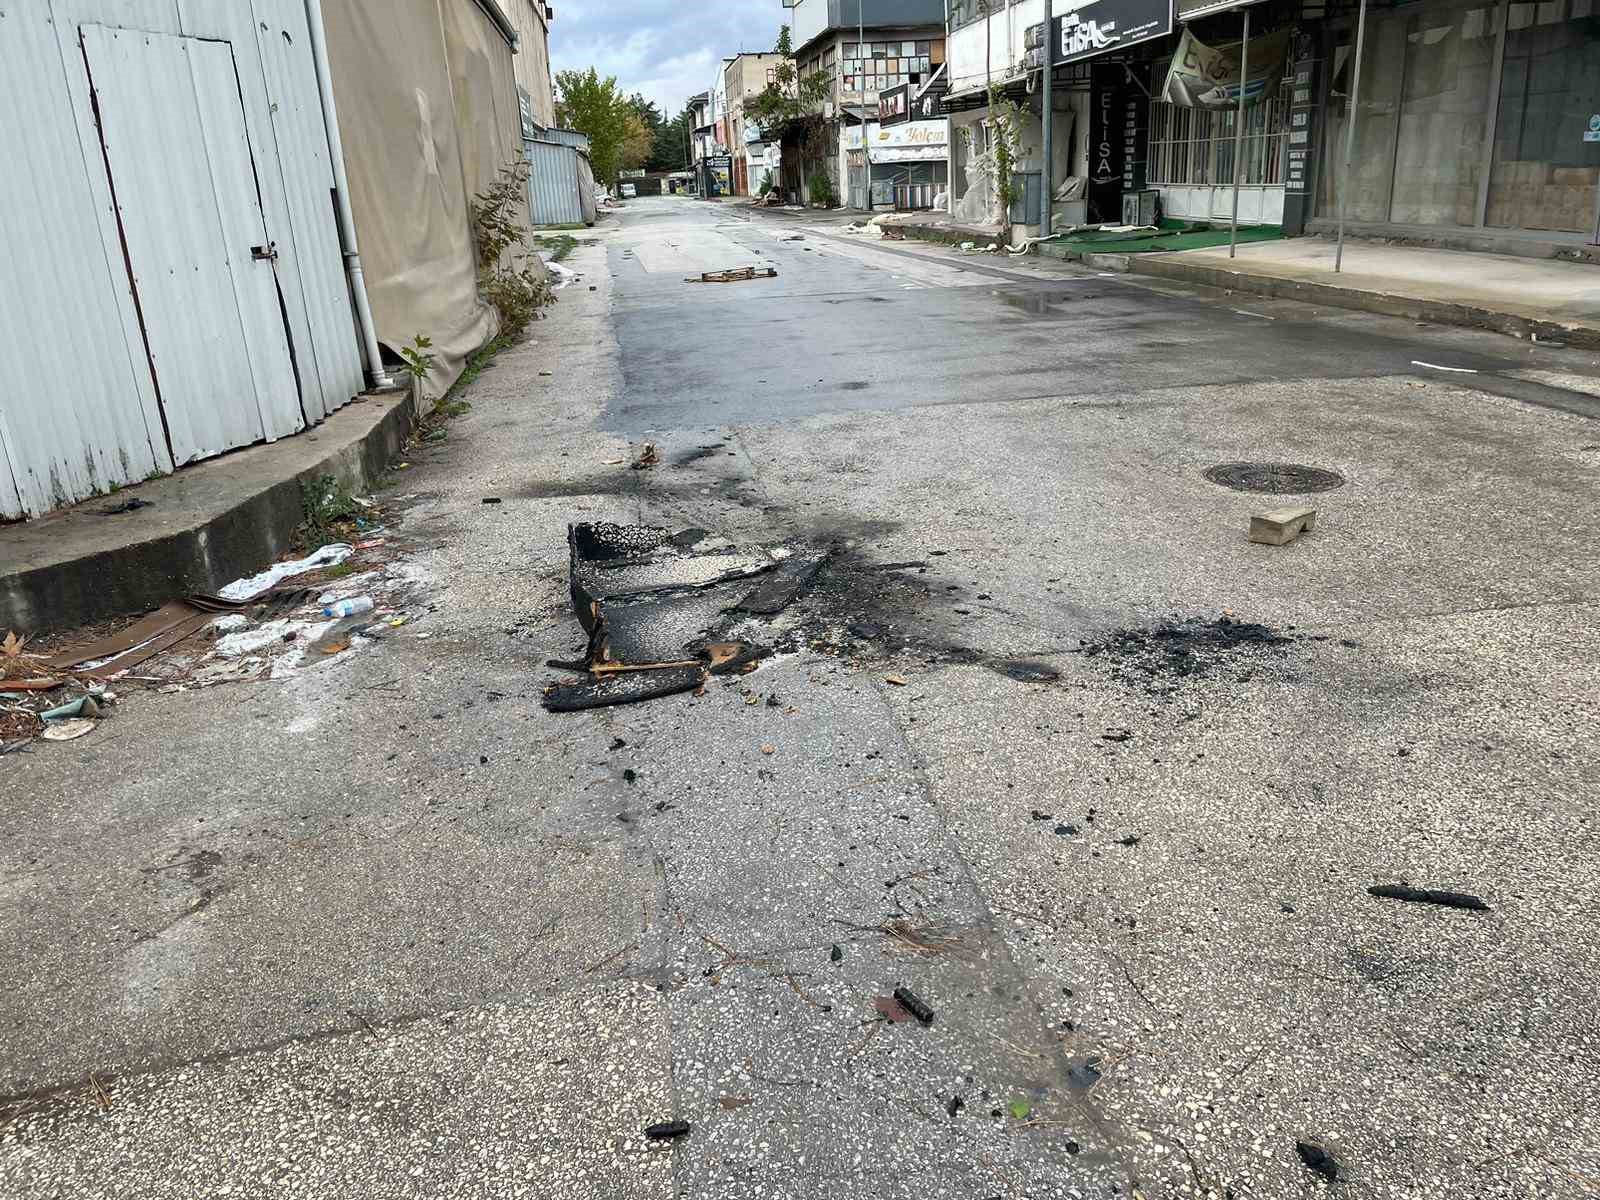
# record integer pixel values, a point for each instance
(1038, 304)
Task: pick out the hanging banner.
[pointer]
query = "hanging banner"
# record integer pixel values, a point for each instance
(894, 105)
(1101, 26)
(1204, 76)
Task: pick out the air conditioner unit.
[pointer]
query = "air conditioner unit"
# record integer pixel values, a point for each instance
(1139, 208)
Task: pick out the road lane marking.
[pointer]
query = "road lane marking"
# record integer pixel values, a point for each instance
(1417, 362)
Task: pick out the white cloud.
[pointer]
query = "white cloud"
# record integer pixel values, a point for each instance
(666, 49)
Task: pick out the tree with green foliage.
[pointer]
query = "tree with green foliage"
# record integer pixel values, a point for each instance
(647, 110)
(594, 106)
(670, 148)
(792, 102)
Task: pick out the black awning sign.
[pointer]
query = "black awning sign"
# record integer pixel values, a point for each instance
(1102, 26)
(927, 106)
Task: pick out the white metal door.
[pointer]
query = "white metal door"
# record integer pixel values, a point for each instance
(183, 179)
(10, 497)
(290, 77)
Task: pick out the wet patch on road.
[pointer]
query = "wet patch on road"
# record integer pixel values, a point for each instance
(559, 489)
(711, 450)
(1042, 303)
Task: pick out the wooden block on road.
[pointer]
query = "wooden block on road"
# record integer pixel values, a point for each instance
(734, 275)
(1282, 525)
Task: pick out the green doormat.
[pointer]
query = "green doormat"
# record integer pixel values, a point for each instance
(1173, 235)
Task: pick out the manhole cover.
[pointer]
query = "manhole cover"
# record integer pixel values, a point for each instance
(1288, 479)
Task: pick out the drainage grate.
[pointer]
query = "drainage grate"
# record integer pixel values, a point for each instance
(1285, 479)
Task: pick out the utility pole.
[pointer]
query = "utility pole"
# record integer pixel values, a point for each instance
(1048, 122)
(861, 82)
(1350, 133)
(1238, 134)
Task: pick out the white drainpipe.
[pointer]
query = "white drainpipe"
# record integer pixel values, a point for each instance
(341, 191)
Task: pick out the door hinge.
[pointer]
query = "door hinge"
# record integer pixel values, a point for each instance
(269, 251)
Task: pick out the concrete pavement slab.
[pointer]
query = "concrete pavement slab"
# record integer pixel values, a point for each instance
(505, 1101)
(1026, 490)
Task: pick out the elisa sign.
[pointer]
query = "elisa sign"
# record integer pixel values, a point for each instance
(1102, 26)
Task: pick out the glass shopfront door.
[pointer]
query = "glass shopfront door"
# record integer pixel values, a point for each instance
(1471, 114)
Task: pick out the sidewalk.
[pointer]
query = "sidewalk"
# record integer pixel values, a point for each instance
(933, 226)
(204, 525)
(1525, 297)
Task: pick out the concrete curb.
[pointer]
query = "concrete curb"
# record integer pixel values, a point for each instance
(211, 523)
(1101, 262)
(946, 235)
(1439, 312)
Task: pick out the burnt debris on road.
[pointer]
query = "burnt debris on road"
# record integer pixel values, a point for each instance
(663, 611)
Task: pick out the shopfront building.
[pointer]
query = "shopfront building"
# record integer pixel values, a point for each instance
(1472, 116)
(902, 165)
(1193, 135)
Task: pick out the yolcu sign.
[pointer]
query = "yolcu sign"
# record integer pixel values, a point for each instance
(1104, 25)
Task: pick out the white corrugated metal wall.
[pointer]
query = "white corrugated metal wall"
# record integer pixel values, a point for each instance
(84, 413)
(78, 412)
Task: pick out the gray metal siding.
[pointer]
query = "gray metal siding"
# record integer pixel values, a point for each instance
(553, 184)
(566, 137)
(80, 413)
(842, 14)
(311, 262)
(180, 167)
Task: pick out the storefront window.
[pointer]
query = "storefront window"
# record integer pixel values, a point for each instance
(1449, 59)
(1433, 114)
(1194, 146)
(1372, 164)
(1545, 174)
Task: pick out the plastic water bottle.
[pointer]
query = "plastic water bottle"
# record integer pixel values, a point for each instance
(349, 608)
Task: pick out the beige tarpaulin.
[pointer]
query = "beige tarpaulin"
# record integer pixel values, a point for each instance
(485, 88)
(409, 76)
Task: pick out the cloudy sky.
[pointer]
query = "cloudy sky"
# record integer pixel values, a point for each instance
(667, 49)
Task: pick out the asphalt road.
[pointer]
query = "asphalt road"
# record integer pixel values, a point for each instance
(1049, 742)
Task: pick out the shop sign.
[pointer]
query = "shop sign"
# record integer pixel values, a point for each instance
(1592, 134)
(1107, 142)
(530, 127)
(1102, 26)
(1302, 110)
(910, 133)
(719, 168)
(1135, 131)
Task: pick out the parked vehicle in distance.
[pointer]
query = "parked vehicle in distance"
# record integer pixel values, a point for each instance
(627, 191)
